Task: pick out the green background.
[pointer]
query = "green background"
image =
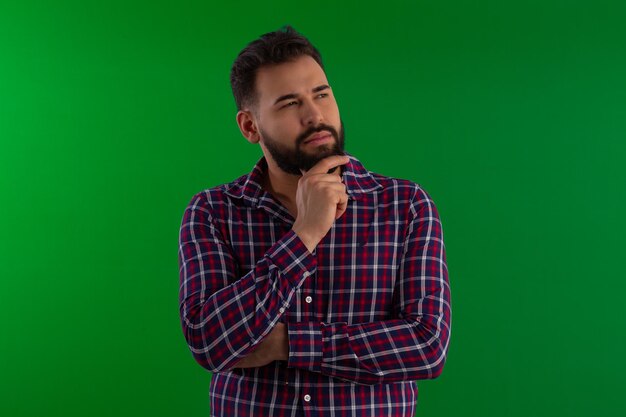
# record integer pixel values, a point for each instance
(512, 115)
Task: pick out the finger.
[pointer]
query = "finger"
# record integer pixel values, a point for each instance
(325, 179)
(340, 196)
(341, 207)
(336, 189)
(323, 166)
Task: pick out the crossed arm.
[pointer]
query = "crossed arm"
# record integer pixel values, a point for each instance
(233, 321)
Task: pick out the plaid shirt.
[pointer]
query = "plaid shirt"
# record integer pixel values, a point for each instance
(368, 312)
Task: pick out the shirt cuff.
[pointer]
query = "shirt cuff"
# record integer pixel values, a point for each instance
(292, 257)
(305, 346)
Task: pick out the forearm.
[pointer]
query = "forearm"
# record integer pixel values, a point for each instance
(275, 347)
(224, 323)
(371, 353)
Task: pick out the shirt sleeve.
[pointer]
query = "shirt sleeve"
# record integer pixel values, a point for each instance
(413, 343)
(225, 316)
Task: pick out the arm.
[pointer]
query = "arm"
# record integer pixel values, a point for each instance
(410, 346)
(231, 321)
(226, 317)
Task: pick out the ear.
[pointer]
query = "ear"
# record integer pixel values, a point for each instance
(247, 126)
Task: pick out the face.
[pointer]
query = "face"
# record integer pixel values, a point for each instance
(297, 117)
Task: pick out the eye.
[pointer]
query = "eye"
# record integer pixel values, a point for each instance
(322, 95)
(289, 104)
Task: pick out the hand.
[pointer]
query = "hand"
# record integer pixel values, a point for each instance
(275, 347)
(321, 199)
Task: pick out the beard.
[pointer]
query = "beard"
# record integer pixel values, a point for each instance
(294, 161)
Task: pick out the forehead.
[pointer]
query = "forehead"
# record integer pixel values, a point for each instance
(294, 77)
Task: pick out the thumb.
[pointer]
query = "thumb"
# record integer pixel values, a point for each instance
(342, 206)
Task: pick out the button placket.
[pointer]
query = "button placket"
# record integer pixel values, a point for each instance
(305, 306)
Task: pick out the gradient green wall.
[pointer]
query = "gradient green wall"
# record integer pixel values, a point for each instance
(512, 115)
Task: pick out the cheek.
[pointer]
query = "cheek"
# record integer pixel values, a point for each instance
(286, 127)
(333, 115)
(333, 108)
(281, 128)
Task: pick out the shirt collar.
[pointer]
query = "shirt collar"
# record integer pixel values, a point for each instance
(357, 179)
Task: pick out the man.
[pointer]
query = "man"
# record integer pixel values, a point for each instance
(310, 285)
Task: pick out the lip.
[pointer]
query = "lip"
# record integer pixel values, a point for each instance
(318, 137)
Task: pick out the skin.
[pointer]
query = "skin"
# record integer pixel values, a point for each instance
(316, 198)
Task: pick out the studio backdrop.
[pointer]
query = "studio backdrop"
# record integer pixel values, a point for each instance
(511, 114)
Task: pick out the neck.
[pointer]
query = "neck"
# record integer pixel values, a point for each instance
(281, 183)
(281, 186)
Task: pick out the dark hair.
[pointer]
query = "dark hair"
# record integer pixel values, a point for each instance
(272, 48)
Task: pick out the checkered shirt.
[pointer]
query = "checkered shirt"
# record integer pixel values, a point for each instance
(367, 313)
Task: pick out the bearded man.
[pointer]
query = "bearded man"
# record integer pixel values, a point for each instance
(310, 286)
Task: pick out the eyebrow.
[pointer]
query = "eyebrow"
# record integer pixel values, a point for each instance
(291, 96)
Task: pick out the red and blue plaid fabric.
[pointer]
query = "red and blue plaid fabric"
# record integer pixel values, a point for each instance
(368, 312)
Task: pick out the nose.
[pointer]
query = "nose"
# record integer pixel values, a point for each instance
(311, 114)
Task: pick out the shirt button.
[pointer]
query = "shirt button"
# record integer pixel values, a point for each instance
(308, 299)
(307, 398)
(282, 310)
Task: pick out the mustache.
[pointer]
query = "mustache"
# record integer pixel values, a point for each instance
(314, 129)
